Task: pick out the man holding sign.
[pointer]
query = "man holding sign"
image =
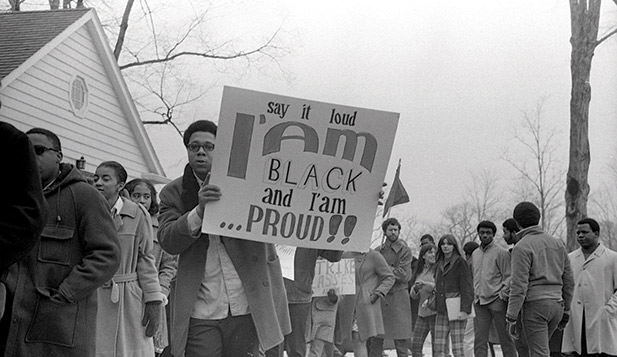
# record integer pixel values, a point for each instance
(229, 296)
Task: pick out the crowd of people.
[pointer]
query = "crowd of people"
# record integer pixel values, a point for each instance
(107, 269)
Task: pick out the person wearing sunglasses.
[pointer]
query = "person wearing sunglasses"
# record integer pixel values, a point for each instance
(54, 305)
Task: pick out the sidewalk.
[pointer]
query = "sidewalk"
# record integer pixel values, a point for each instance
(428, 352)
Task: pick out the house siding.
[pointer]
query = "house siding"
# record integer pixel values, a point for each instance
(40, 98)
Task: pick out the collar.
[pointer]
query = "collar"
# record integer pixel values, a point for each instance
(596, 253)
(484, 249)
(117, 207)
(396, 246)
(51, 182)
(531, 229)
(199, 181)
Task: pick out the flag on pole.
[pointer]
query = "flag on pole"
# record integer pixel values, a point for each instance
(397, 194)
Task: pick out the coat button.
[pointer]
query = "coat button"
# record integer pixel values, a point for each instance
(265, 283)
(15, 320)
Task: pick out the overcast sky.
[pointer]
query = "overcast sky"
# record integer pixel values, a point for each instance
(460, 73)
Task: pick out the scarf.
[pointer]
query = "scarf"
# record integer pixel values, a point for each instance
(190, 192)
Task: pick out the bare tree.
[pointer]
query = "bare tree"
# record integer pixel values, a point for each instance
(585, 20)
(15, 5)
(484, 195)
(481, 201)
(163, 90)
(159, 62)
(460, 221)
(604, 209)
(538, 166)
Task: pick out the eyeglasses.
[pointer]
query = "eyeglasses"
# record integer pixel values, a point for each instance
(194, 147)
(40, 150)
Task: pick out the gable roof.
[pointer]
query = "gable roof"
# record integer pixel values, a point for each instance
(26, 37)
(26, 32)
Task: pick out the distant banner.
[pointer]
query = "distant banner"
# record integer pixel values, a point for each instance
(298, 172)
(340, 276)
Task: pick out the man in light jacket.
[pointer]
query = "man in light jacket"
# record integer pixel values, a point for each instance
(541, 283)
(491, 279)
(593, 324)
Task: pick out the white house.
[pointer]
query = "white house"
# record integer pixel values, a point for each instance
(58, 72)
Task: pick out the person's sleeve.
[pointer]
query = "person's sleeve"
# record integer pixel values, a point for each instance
(194, 223)
(386, 277)
(99, 239)
(402, 270)
(413, 294)
(519, 281)
(331, 255)
(147, 273)
(612, 301)
(167, 271)
(175, 233)
(24, 209)
(466, 285)
(568, 282)
(505, 268)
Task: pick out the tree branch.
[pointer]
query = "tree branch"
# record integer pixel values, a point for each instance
(605, 37)
(171, 57)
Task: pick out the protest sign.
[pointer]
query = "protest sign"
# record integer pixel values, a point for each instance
(286, 256)
(339, 276)
(298, 172)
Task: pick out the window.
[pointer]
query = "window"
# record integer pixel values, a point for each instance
(78, 96)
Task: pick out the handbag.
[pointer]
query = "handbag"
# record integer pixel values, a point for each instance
(430, 301)
(453, 307)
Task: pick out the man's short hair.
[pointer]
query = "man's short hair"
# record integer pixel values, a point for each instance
(118, 169)
(200, 125)
(526, 214)
(510, 224)
(487, 224)
(593, 224)
(429, 237)
(389, 222)
(469, 247)
(55, 141)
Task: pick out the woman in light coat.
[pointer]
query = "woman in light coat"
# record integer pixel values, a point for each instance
(129, 304)
(374, 278)
(143, 192)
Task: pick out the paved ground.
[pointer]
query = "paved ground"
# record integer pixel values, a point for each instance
(427, 351)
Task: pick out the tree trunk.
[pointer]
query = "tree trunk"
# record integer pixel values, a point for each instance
(15, 5)
(584, 21)
(123, 26)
